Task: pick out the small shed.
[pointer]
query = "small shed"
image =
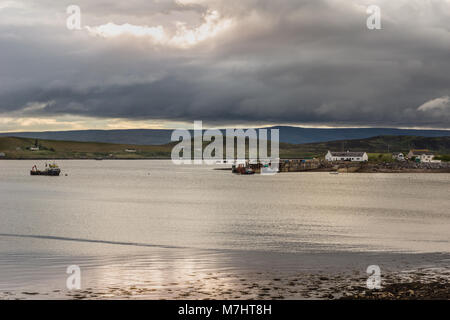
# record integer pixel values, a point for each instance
(398, 156)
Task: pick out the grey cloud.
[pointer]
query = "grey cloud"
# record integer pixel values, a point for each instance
(282, 62)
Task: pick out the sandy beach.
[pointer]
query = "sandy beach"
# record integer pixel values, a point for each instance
(210, 274)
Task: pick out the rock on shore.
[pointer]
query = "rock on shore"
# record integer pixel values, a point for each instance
(388, 167)
(438, 290)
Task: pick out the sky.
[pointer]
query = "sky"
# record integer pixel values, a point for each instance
(166, 63)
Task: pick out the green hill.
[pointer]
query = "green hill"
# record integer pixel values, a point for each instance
(380, 144)
(19, 148)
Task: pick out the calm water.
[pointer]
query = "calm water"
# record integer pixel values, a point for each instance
(114, 209)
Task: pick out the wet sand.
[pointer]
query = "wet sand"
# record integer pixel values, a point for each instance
(262, 276)
(418, 284)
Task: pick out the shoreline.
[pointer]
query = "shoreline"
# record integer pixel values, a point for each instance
(131, 272)
(334, 276)
(446, 170)
(370, 167)
(62, 159)
(262, 286)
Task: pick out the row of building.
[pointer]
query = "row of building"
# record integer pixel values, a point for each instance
(423, 155)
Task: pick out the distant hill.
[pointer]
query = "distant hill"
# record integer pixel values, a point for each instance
(380, 144)
(18, 148)
(293, 135)
(135, 136)
(298, 135)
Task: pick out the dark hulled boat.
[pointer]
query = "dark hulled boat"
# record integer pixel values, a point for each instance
(240, 169)
(51, 170)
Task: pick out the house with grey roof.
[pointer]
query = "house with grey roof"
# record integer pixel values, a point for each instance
(424, 155)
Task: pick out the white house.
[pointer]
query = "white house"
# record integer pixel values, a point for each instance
(427, 157)
(346, 156)
(2, 154)
(423, 155)
(398, 156)
(34, 148)
(130, 150)
(416, 153)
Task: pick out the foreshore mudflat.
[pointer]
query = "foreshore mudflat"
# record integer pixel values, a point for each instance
(255, 275)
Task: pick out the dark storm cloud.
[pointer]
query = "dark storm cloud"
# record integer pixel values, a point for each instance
(280, 62)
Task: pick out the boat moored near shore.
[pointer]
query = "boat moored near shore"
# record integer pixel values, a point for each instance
(51, 170)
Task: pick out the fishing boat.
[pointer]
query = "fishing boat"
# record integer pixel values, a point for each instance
(242, 170)
(50, 170)
(246, 171)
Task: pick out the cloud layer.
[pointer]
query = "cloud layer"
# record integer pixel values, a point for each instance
(227, 62)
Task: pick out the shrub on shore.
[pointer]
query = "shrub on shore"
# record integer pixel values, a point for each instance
(445, 157)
